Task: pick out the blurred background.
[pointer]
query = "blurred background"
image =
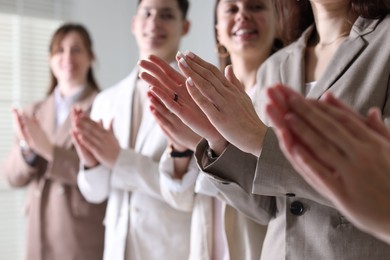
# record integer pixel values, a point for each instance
(26, 27)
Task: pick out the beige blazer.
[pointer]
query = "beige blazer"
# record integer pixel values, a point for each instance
(61, 224)
(301, 223)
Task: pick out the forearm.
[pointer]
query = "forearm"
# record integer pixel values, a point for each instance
(17, 172)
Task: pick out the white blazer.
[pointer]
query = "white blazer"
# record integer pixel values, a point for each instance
(133, 185)
(195, 192)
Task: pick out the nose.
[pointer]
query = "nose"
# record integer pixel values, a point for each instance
(67, 55)
(242, 14)
(153, 21)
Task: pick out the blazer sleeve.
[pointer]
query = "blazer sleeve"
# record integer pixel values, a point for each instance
(134, 171)
(16, 171)
(275, 176)
(232, 174)
(179, 193)
(94, 183)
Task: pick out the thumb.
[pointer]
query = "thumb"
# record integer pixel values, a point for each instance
(110, 127)
(229, 74)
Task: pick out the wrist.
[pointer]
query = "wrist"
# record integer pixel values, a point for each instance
(216, 147)
(182, 153)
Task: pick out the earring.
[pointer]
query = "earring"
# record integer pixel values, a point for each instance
(222, 51)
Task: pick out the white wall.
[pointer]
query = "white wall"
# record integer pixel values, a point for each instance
(109, 23)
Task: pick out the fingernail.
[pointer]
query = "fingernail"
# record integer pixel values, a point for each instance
(190, 54)
(183, 62)
(179, 54)
(190, 82)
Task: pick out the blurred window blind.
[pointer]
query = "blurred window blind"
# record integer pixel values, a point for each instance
(26, 27)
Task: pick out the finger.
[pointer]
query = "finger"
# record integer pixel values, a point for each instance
(348, 111)
(278, 95)
(159, 107)
(167, 99)
(110, 126)
(18, 123)
(275, 115)
(153, 75)
(92, 131)
(203, 103)
(77, 143)
(320, 177)
(375, 121)
(167, 69)
(203, 82)
(282, 93)
(325, 151)
(165, 124)
(354, 124)
(322, 124)
(229, 74)
(90, 144)
(202, 67)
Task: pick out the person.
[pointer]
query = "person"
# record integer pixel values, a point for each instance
(245, 34)
(341, 154)
(120, 155)
(61, 224)
(341, 41)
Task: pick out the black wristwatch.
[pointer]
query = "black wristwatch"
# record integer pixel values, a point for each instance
(177, 154)
(29, 156)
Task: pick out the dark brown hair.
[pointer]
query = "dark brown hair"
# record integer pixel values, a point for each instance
(56, 40)
(183, 6)
(296, 16)
(224, 60)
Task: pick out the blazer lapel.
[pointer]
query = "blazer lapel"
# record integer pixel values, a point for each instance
(62, 136)
(290, 71)
(124, 109)
(340, 62)
(145, 129)
(344, 56)
(46, 115)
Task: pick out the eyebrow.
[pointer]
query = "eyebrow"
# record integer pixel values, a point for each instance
(163, 9)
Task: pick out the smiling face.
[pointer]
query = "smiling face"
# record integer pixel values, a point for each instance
(158, 27)
(70, 60)
(246, 27)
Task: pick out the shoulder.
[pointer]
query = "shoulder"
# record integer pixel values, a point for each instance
(270, 68)
(33, 107)
(372, 27)
(109, 94)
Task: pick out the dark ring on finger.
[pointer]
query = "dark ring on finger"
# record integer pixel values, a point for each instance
(176, 97)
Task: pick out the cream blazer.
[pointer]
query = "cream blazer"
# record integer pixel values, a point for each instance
(301, 223)
(244, 236)
(133, 185)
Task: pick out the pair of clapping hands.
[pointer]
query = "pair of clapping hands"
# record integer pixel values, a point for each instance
(344, 155)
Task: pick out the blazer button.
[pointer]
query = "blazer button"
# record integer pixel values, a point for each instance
(297, 208)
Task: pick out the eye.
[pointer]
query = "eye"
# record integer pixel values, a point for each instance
(257, 7)
(167, 16)
(76, 49)
(145, 13)
(231, 9)
(60, 49)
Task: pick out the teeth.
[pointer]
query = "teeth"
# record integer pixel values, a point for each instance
(243, 31)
